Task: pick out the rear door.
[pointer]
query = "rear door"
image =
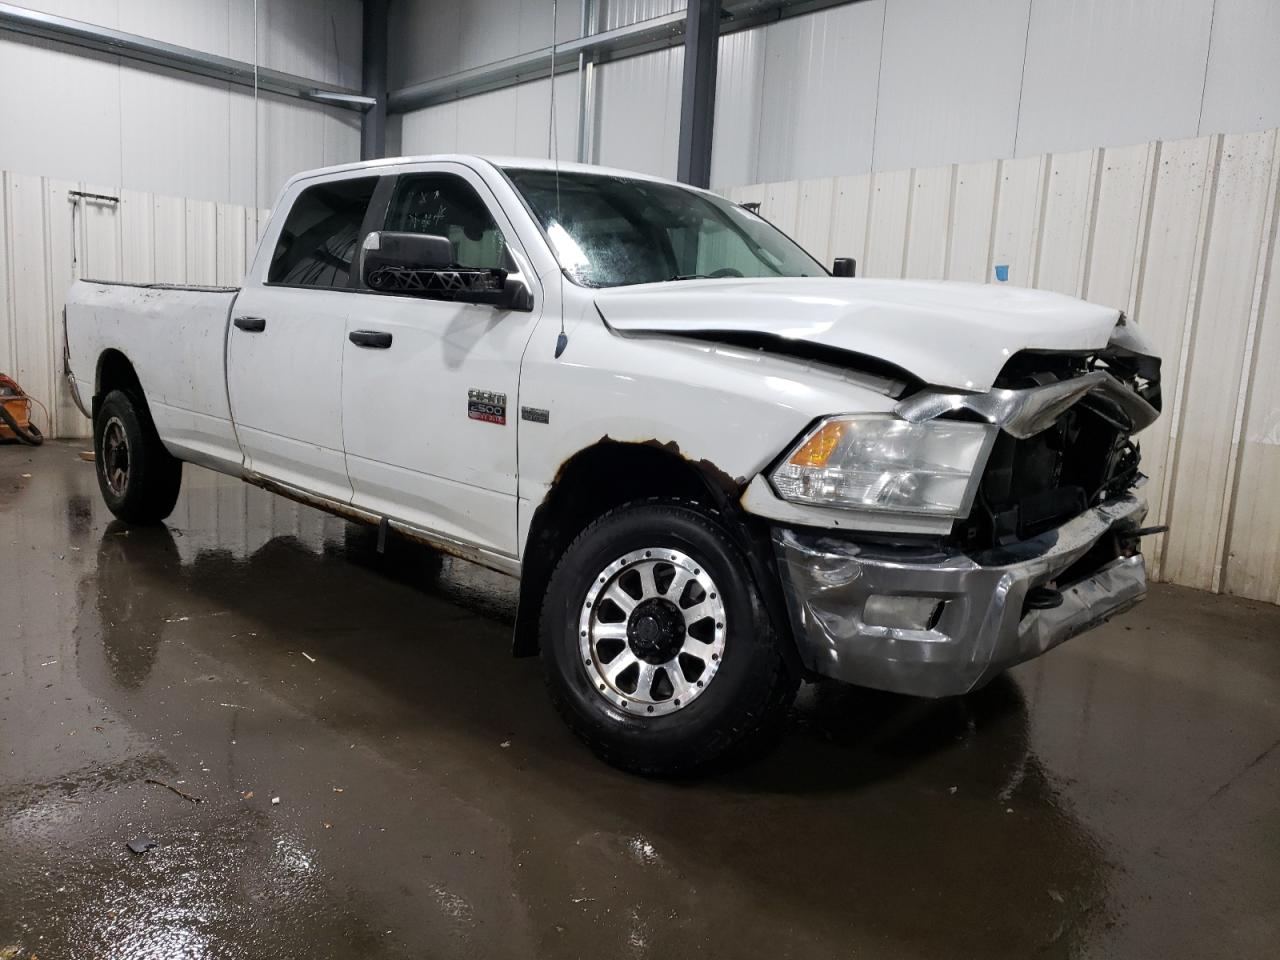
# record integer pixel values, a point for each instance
(429, 387)
(288, 331)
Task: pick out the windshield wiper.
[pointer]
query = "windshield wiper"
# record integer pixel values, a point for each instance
(690, 276)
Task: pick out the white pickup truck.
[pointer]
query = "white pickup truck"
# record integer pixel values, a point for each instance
(716, 468)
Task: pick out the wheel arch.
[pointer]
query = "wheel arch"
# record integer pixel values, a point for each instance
(611, 473)
(115, 372)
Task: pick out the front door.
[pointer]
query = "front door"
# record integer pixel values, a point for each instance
(429, 387)
(288, 330)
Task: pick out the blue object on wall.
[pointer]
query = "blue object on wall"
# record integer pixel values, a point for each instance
(1002, 272)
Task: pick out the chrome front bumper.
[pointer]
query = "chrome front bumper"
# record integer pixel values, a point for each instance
(983, 625)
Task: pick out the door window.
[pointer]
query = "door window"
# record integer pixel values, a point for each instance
(318, 242)
(446, 205)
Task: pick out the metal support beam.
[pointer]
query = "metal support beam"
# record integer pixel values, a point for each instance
(657, 33)
(698, 95)
(650, 34)
(586, 84)
(373, 128)
(131, 46)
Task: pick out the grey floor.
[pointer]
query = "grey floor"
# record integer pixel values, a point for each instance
(1118, 798)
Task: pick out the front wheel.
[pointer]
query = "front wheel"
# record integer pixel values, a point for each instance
(138, 477)
(657, 648)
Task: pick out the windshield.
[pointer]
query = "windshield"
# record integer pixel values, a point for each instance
(613, 231)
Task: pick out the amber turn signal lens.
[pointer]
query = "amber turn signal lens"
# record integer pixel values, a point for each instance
(817, 450)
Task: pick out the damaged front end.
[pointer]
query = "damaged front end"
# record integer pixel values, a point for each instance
(1048, 549)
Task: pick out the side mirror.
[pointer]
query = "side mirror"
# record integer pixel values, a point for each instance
(425, 265)
(844, 267)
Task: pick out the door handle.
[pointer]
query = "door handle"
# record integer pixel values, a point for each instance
(377, 339)
(251, 324)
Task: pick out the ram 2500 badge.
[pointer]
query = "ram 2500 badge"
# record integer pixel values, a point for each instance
(716, 468)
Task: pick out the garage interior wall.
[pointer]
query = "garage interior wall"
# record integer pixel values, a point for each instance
(177, 150)
(73, 114)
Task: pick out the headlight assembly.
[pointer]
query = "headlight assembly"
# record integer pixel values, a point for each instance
(883, 463)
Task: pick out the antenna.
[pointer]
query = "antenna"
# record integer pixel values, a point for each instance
(553, 148)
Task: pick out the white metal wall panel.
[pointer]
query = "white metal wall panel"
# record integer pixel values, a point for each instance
(101, 118)
(98, 236)
(929, 223)
(202, 242)
(169, 256)
(173, 135)
(637, 119)
(1117, 225)
(431, 130)
(611, 14)
(231, 256)
(1112, 72)
(32, 332)
(1016, 230)
(781, 205)
(430, 39)
(1165, 297)
(1242, 83)
(813, 218)
(887, 223)
(137, 237)
(1200, 478)
(60, 112)
(512, 122)
(736, 134)
(1253, 547)
(943, 82)
(8, 325)
(972, 221)
(59, 272)
(1068, 208)
(818, 94)
(950, 74)
(851, 199)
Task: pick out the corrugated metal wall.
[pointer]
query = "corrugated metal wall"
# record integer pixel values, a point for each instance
(143, 238)
(435, 38)
(889, 84)
(77, 115)
(1181, 235)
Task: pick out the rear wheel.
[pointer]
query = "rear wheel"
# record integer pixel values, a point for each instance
(657, 648)
(138, 477)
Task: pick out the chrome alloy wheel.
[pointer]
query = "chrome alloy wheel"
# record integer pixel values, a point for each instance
(115, 456)
(652, 631)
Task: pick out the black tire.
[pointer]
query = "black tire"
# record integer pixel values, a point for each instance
(152, 477)
(741, 708)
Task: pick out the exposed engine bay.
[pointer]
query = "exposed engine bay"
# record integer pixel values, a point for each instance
(1084, 457)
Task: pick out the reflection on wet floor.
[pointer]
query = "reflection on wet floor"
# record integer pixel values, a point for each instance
(430, 803)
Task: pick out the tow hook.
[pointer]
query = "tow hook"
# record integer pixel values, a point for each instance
(1043, 597)
(1141, 532)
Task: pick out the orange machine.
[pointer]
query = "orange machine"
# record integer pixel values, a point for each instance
(15, 414)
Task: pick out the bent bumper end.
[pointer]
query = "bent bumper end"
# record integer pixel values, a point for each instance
(982, 624)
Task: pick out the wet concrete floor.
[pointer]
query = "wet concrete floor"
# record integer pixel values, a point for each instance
(1117, 798)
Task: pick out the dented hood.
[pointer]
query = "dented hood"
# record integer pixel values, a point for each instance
(948, 334)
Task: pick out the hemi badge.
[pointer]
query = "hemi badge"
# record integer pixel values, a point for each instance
(535, 414)
(487, 406)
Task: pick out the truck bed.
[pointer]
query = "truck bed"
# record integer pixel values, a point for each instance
(175, 337)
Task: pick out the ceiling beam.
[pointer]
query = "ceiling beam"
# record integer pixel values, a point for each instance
(131, 46)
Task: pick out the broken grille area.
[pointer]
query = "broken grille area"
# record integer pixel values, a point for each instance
(1038, 483)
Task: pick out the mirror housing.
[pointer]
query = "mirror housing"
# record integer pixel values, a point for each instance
(425, 265)
(844, 267)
